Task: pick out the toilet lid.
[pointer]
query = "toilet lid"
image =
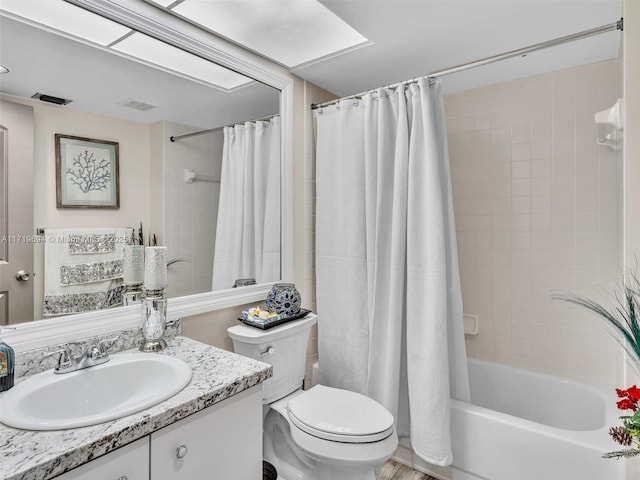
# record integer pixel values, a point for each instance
(340, 415)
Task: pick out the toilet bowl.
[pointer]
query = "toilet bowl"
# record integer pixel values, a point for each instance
(323, 433)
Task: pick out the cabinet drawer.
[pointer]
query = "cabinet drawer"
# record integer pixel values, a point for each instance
(130, 462)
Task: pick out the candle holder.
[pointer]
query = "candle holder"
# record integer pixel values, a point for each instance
(133, 294)
(154, 316)
(284, 298)
(154, 304)
(155, 268)
(133, 274)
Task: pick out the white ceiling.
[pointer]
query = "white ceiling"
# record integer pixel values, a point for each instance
(407, 39)
(411, 38)
(101, 81)
(404, 39)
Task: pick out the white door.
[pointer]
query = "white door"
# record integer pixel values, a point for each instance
(221, 442)
(16, 213)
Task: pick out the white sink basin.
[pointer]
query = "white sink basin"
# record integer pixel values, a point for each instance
(126, 384)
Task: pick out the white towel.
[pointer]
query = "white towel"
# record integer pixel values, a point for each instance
(83, 269)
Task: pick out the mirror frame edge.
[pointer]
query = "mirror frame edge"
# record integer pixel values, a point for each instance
(155, 22)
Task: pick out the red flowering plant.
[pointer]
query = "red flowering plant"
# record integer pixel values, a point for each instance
(628, 434)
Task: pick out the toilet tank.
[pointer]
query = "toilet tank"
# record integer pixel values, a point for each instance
(284, 347)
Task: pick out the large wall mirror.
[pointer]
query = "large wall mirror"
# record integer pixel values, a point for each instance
(182, 176)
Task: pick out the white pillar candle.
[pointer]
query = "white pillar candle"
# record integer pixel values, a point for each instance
(155, 268)
(133, 264)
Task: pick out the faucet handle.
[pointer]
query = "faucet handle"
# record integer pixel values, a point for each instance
(64, 359)
(67, 354)
(102, 349)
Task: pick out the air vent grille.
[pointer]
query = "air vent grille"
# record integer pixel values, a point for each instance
(51, 99)
(136, 105)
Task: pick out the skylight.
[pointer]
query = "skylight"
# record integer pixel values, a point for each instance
(69, 20)
(178, 61)
(290, 32)
(66, 18)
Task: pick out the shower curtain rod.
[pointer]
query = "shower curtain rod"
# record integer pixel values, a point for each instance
(619, 25)
(211, 130)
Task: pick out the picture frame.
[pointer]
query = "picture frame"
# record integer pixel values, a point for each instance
(87, 172)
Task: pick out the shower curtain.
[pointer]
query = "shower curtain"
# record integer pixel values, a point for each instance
(247, 243)
(388, 288)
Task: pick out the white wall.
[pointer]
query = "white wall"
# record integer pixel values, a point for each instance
(538, 209)
(133, 139)
(631, 63)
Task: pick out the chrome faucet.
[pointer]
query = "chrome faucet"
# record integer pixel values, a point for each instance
(88, 357)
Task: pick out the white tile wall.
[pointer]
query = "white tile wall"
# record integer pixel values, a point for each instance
(191, 209)
(538, 209)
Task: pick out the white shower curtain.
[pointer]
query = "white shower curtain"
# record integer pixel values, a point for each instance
(247, 243)
(388, 289)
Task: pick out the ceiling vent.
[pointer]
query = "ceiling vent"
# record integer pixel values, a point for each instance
(51, 99)
(136, 105)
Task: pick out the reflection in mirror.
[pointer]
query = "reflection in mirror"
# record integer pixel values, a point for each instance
(209, 187)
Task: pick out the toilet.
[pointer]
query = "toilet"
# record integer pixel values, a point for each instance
(323, 433)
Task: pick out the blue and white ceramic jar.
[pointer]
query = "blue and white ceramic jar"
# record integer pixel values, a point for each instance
(284, 299)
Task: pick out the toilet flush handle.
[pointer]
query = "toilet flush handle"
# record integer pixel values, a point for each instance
(269, 351)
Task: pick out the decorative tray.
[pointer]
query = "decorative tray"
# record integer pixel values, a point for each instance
(266, 324)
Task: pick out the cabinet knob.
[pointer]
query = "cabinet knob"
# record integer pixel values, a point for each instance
(181, 451)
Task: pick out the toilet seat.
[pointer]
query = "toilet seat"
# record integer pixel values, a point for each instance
(340, 415)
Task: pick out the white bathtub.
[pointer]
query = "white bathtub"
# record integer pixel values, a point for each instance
(523, 425)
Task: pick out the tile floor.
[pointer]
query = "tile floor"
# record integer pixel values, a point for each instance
(396, 471)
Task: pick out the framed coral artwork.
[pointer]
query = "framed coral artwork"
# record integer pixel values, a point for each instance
(86, 173)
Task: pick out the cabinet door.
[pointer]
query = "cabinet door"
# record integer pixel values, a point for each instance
(221, 442)
(130, 462)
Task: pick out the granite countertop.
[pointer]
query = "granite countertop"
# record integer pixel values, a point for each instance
(217, 375)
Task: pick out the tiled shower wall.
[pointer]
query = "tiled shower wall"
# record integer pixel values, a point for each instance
(190, 209)
(538, 209)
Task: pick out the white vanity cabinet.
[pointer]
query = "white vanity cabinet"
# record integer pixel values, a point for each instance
(130, 462)
(221, 442)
